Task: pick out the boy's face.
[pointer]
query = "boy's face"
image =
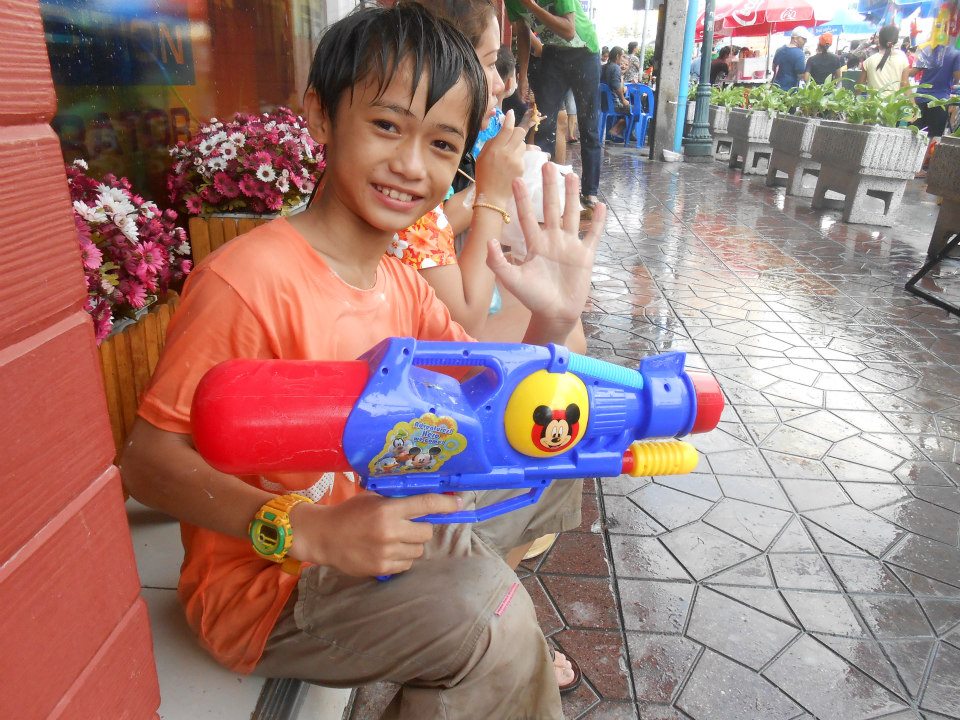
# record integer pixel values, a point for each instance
(388, 160)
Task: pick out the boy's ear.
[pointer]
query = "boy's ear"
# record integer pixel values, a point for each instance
(318, 121)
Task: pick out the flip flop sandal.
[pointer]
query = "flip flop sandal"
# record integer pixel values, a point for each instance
(577, 674)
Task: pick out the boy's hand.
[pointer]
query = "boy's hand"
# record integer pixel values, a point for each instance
(553, 280)
(501, 162)
(367, 535)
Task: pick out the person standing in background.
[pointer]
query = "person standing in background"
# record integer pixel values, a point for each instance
(720, 68)
(884, 70)
(824, 64)
(789, 62)
(570, 61)
(632, 73)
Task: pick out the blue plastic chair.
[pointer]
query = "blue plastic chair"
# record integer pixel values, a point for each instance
(642, 106)
(608, 112)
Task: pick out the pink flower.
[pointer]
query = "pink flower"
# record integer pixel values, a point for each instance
(90, 254)
(225, 185)
(249, 186)
(194, 204)
(133, 293)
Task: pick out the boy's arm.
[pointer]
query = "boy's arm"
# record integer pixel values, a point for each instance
(553, 280)
(367, 535)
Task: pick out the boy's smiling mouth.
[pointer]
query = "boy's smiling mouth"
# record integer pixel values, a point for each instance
(397, 198)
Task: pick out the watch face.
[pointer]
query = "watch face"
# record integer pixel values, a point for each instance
(267, 538)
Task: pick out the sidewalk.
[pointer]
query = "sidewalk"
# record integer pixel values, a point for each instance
(810, 566)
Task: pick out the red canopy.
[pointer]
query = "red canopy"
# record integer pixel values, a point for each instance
(751, 18)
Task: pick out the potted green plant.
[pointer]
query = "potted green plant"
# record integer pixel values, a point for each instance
(750, 127)
(791, 136)
(721, 101)
(871, 152)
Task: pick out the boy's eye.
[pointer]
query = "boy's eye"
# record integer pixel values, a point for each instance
(385, 125)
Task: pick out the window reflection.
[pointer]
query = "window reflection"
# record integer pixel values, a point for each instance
(134, 76)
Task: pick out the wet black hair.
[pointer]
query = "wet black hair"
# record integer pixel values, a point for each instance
(506, 62)
(373, 41)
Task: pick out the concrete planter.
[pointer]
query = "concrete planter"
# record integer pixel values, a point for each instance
(719, 115)
(943, 179)
(858, 161)
(791, 138)
(750, 131)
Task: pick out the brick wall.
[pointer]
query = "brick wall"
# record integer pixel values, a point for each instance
(74, 636)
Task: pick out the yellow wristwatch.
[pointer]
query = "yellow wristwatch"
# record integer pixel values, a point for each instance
(270, 530)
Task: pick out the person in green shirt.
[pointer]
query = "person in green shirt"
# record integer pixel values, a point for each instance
(570, 61)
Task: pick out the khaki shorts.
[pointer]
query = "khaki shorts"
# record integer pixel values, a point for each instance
(458, 631)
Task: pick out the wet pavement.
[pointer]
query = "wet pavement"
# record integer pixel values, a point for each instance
(809, 567)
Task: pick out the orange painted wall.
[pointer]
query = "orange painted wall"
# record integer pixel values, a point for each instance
(74, 636)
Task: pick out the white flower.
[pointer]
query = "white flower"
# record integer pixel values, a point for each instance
(206, 147)
(237, 138)
(266, 173)
(150, 210)
(118, 208)
(183, 248)
(128, 227)
(270, 125)
(217, 163)
(228, 150)
(213, 121)
(111, 193)
(219, 137)
(397, 246)
(81, 164)
(90, 214)
(283, 184)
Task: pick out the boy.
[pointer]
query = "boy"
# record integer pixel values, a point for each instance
(397, 96)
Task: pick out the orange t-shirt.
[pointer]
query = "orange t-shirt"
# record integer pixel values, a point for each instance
(269, 294)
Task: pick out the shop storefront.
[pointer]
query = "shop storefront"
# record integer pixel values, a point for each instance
(133, 77)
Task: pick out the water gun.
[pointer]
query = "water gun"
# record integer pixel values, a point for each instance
(527, 415)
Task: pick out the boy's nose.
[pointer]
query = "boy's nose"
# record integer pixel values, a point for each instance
(410, 160)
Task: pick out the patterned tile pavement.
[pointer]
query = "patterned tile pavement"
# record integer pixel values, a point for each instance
(809, 567)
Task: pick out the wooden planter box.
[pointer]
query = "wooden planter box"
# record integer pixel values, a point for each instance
(127, 360)
(209, 232)
(860, 161)
(943, 179)
(750, 132)
(791, 139)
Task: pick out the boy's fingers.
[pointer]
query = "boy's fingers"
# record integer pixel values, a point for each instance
(416, 506)
(526, 215)
(571, 207)
(551, 204)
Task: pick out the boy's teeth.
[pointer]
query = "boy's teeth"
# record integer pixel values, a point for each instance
(389, 192)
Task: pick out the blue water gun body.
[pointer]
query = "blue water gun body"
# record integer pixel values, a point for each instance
(524, 416)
